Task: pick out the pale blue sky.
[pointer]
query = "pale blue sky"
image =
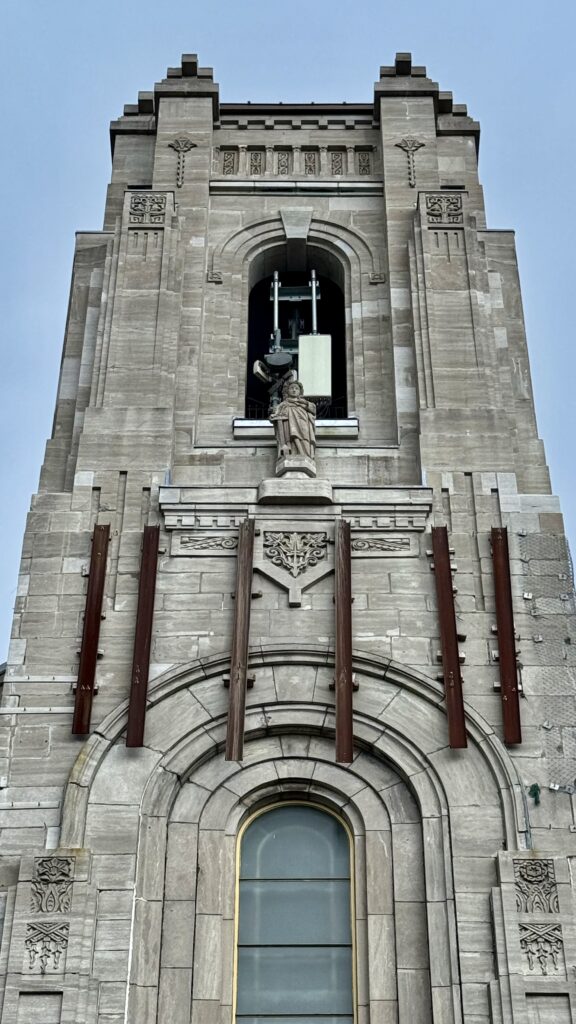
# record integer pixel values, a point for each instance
(67, 68)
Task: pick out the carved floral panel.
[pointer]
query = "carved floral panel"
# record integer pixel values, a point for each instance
(51, 891)
(535, 886)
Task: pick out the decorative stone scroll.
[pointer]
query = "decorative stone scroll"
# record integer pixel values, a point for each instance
(542, 944)
(147, 208)
(410, 147)
(203, 543)
(52, 885)
(445, 208)
(296, 552)
(181, 146)
(381, 544)
(46, 943)
(535, 885)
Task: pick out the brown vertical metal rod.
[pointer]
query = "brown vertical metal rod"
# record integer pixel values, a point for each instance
(343, 653)
(240, 639)
(143, 637)
(91, 632)
(448, 638)
(506, 638)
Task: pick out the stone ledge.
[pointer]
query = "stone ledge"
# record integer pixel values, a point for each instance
(253, 430)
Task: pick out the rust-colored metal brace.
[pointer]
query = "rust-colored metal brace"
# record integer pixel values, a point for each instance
(448, 638)
(506, 636)
(143, 637)
(91, 632)
(343, 654)
(240, 640)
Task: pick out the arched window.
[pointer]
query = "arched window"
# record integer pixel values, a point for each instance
(294, 939)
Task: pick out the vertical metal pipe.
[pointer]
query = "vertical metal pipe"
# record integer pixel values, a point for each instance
(448, 638)
(313, 285)
(240, 640)
(276, 285)
(506, 637)
(91, 632)
(143, 637)
(343, 645)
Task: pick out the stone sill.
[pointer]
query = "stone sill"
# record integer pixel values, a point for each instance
(262, 430)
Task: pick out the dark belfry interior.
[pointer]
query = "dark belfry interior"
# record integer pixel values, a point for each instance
(295, 318)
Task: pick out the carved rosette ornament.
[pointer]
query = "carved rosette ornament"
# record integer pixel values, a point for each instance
(542, 944)
(536, 889)
(295, 552)
(52, 885)
(181, 146)
(46, 943)
(410, 147)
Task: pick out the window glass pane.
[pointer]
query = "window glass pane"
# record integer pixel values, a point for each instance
(295, 1020)
(295, 912)
(295, 842)
(292, 980)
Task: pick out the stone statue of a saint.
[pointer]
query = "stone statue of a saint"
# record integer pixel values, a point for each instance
(294, 423)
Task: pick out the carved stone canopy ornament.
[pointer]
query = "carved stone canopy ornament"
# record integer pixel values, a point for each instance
(181, 146)
(410, 147)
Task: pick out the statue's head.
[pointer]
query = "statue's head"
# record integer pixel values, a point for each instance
(292, 389)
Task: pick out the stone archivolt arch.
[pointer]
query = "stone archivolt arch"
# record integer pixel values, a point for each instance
(248, 254)
(406, 798)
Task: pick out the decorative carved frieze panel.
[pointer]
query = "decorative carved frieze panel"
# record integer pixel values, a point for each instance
(310, 161)
(542, 946)
(444, 208)
(535, 886)
(147, 208)
(364, 162)
(372, 545)
(202, 544)
(352, 161)
(257, 161)
(229, 161)
(51, 891)
(337, 161)
(46, 943)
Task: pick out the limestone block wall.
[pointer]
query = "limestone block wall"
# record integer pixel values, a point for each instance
(117, 866)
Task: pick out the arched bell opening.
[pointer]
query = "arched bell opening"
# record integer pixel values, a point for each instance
(295, 321)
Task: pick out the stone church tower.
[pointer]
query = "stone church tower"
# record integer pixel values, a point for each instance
(289, 714)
